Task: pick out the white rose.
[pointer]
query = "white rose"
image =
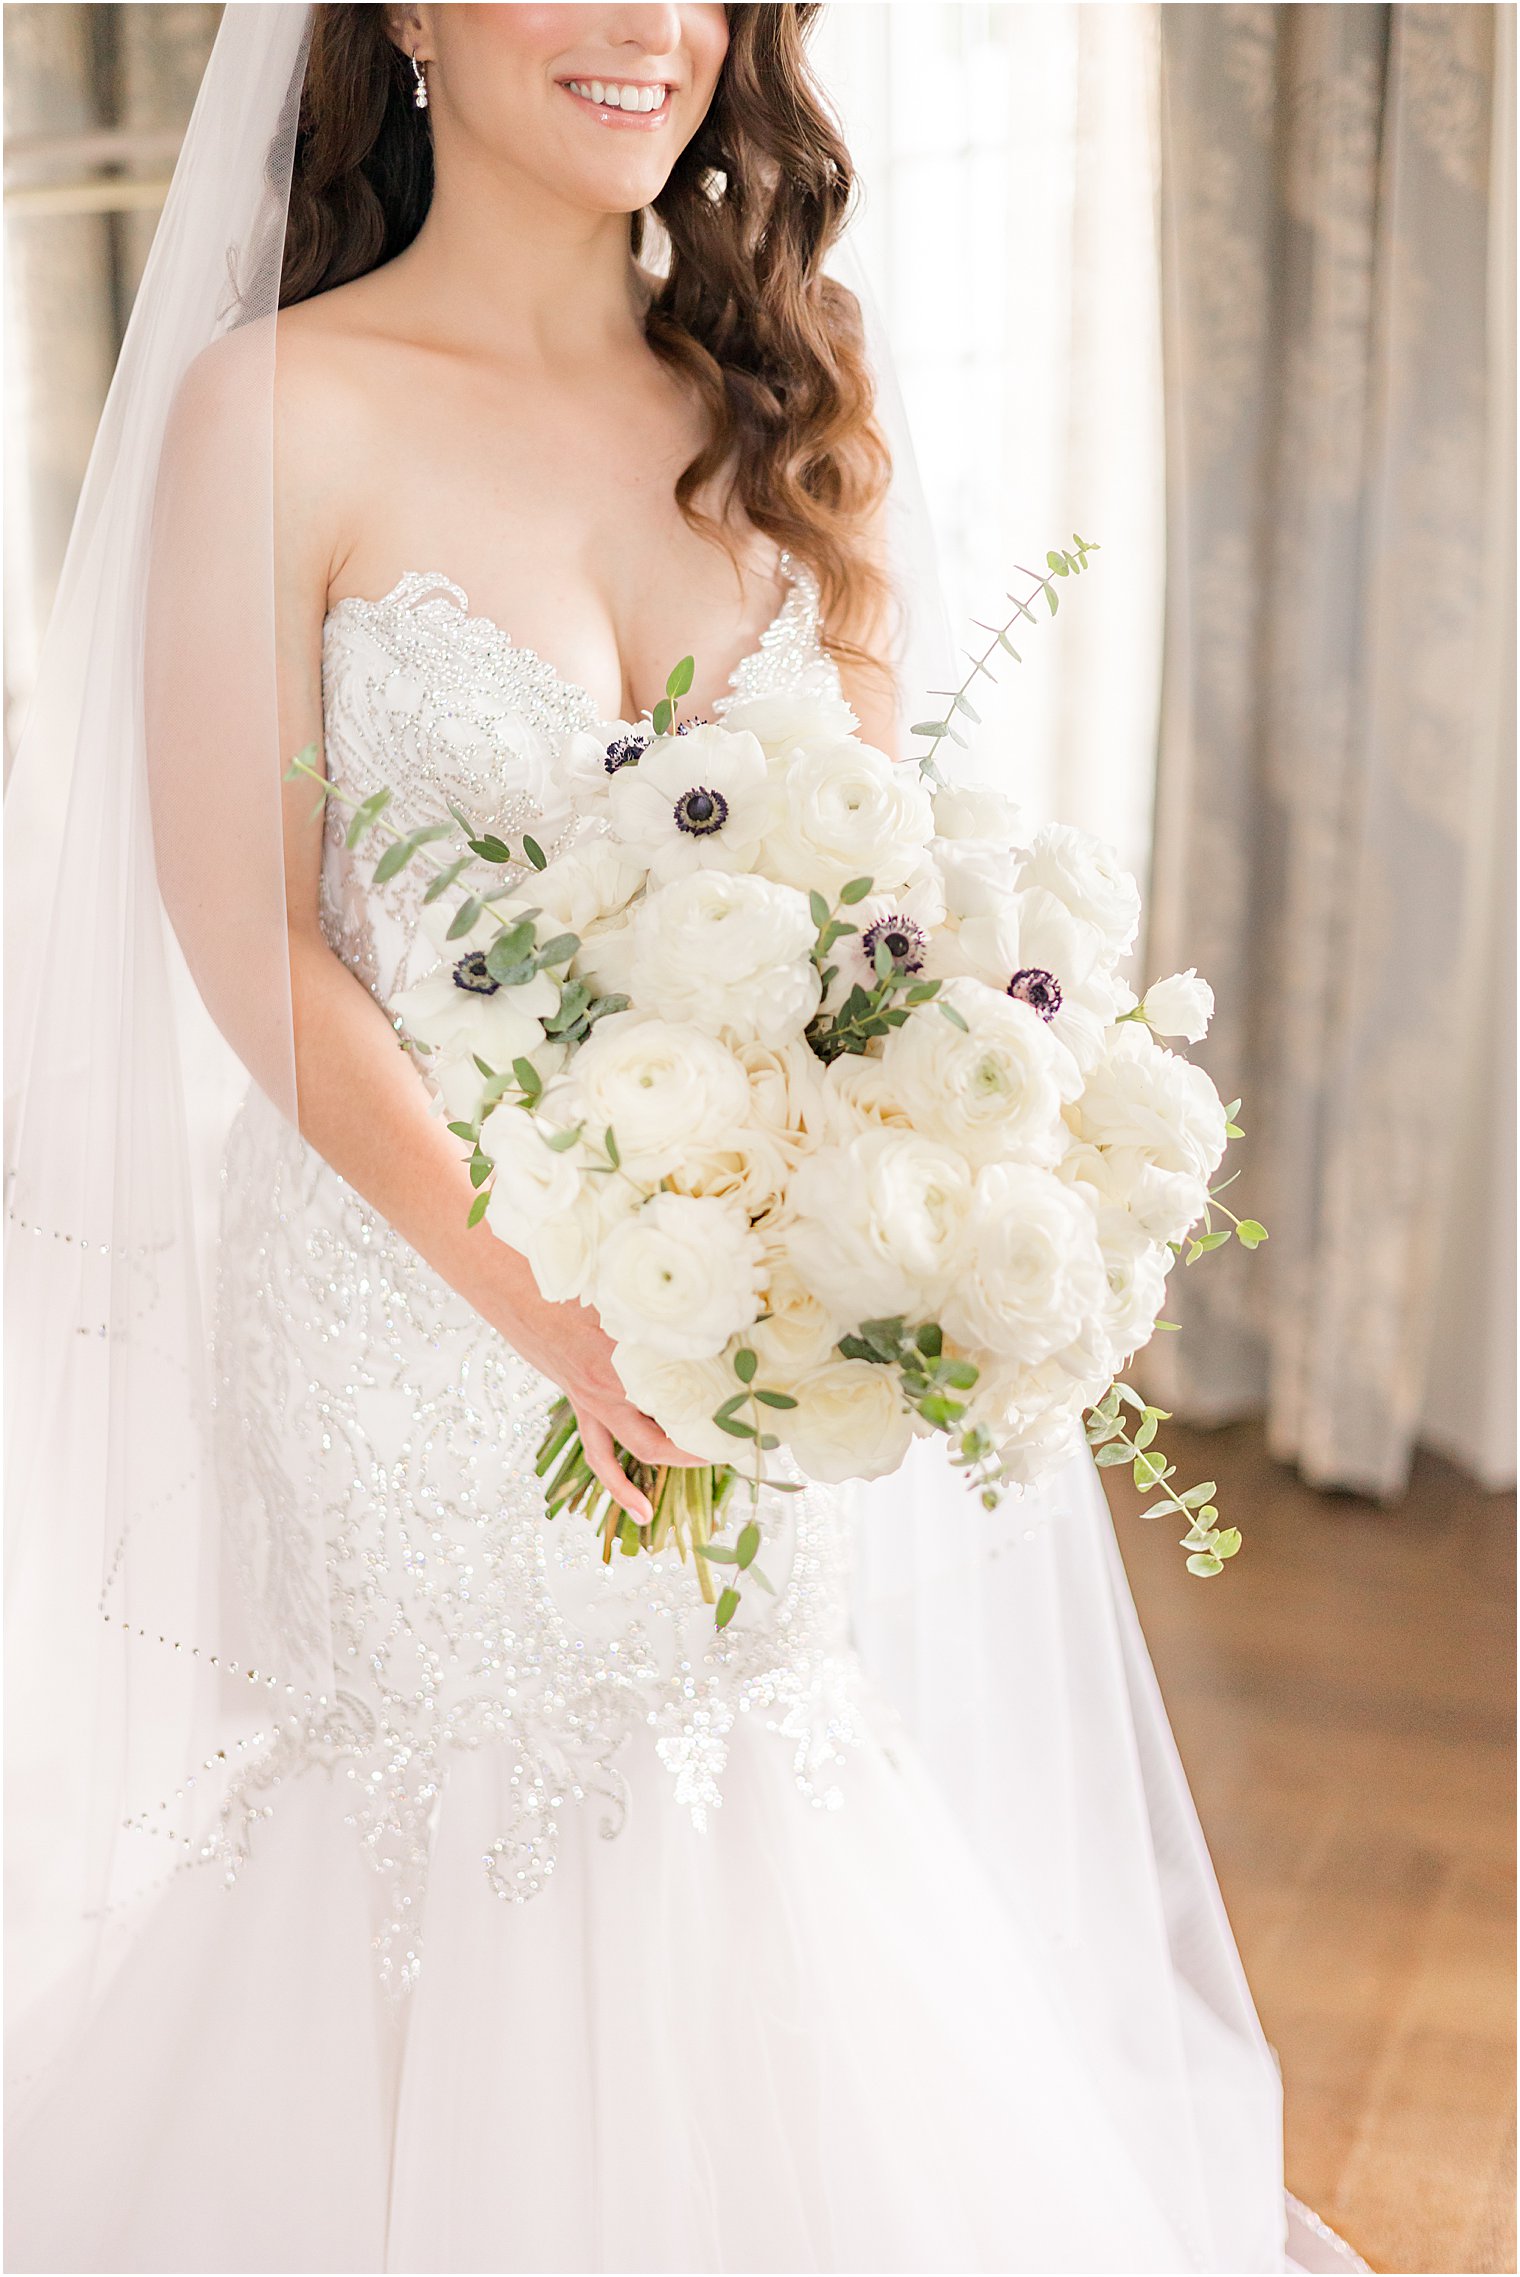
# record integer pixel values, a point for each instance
(732, 955)
(1181, 1006)
(534, 1181)
(992, 1088)
(974, 810)
(786, 1087)
(858, 1093)
(681, 1277)
(752, 1168)
(782, 725)
(846, 812)
(1144, 1097)
(796, 1333)
(877, 1226)
(1084, 873)
(586, 885)
(697, 801)
(666, 1089)
(681, 1395)
(1136, 1268)
(1163, 1203)
(1033, 1277)
(849, 1422)
(1029, 1452)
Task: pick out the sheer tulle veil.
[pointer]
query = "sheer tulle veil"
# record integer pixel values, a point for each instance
(158, 1622)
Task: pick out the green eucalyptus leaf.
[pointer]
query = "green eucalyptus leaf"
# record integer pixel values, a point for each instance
(856, 890)
(661, 717)
(478, 1206)
(1204, 1563)
(728, 1606)
(955, 1018)
(774, 1398)
(445, 878)
(679, 683)
(749, 1543)
(534, 853)
(491, 849)
(528, 1078)
(466, 917)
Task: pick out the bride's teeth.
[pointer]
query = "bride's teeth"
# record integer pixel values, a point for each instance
(616, 97)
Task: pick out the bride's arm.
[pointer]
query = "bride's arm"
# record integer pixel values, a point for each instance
(362, 1104)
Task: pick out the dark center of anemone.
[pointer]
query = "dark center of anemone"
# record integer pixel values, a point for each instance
(1041, 991)
(470, 974)
(685, 726)
(700, 812)
(627, 751)
(903, 941)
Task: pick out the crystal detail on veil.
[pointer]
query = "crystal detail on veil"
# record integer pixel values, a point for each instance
(373, 1429)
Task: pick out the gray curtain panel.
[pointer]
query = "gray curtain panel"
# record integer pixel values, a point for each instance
(1333, 756)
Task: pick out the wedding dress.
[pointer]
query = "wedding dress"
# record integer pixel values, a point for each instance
(396, 1885)
(564, 1933)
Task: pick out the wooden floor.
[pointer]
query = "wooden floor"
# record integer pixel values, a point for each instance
(1343, 1697)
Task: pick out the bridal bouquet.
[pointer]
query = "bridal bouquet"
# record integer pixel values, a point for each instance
(817, 1076)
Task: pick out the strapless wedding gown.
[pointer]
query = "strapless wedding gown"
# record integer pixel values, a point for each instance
(562, 1933)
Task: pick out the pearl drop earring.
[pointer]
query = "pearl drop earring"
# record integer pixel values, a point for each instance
(420, 97)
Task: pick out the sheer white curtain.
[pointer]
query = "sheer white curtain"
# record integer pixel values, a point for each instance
(1008, 159)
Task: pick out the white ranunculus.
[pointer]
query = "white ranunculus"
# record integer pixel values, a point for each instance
(698, 801)
(795, 1332)
(1163, 1203)
(1144, 1097)
(846, 812)
(681, 1395)
(604, 960)
(849, 1422)
(877, 1227)
(1182, 1005)
(591, 882)
(733, 955)
(1084, 873)
(533, 1180)
(666, 1088)
(974, 810)
(978, 878)
(1029, 1452)
(783, 725)
(993, 1088)
(1136, 1268)
(1033, 1277)
(682, 1277)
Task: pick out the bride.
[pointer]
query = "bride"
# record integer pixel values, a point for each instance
(397, 1886)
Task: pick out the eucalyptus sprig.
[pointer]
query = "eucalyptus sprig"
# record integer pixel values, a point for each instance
(663, 718)
(1208, 1545)
(1058, 563)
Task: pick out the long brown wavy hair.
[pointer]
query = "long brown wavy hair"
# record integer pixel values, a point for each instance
(773, 348)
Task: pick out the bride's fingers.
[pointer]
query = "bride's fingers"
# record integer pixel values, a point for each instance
(601, 1454)
(643, 1437)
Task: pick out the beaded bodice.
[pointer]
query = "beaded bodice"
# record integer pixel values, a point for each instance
(377, 1436)
(433, 705)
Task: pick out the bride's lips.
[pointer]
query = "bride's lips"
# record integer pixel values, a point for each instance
(610, 113)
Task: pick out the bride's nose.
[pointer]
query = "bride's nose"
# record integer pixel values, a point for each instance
(654, 30)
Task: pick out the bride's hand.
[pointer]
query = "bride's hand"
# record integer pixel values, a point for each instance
(567, 1343)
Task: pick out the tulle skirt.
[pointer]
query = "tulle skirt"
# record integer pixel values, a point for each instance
(803, 2039)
